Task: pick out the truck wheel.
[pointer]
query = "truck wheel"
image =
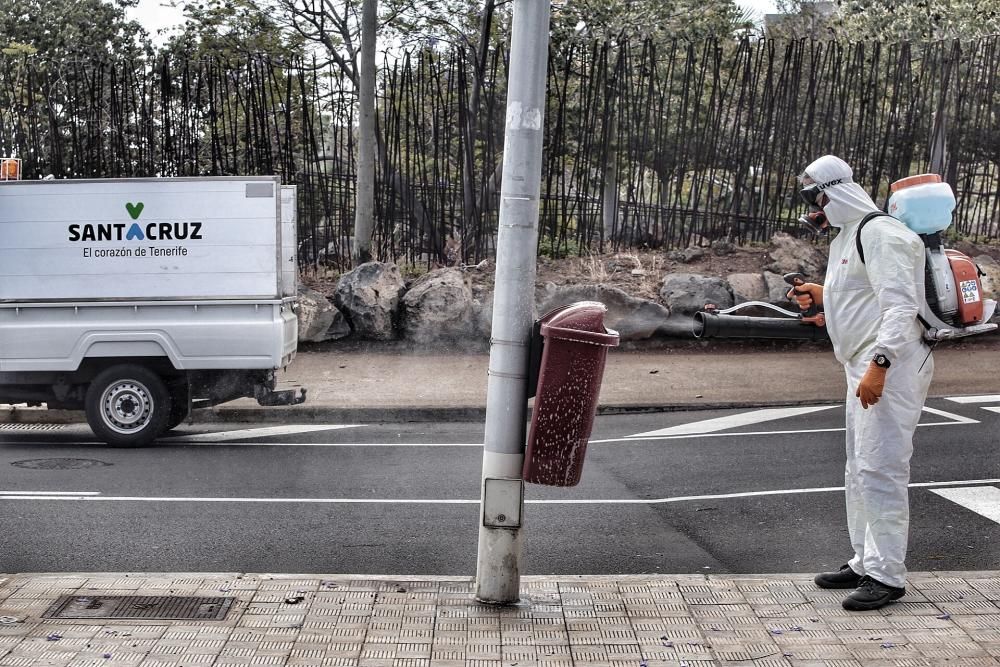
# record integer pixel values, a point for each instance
(127, 406)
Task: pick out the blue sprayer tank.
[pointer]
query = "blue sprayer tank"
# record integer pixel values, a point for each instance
(924, 203)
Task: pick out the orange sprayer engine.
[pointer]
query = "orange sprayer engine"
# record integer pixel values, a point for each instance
(968, 288)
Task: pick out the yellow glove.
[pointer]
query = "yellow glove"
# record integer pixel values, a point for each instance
(871, 386)
(806, 295)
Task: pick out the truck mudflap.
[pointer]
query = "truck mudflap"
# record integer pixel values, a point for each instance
(270, 397)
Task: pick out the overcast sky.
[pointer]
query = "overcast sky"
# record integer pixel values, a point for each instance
(155, 14)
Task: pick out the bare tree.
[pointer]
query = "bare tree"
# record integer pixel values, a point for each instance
(344, 35)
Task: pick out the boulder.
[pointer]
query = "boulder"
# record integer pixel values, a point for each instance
(633, 318)
(747, 287)
(687, 293)
(339, 328)
(437, 309)
(722, 247)
(686, 255)
(369, 297)
(619, 264)
(315, 314)
(789, 254)
(777, 288)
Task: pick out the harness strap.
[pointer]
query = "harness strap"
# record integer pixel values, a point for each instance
(861, 252)
(864, 221)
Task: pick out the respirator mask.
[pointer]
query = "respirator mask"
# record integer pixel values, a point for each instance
(815, 218)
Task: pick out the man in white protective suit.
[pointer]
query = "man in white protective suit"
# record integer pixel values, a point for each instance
(871, 309)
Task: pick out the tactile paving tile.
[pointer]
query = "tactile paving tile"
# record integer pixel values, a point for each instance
(587, 622)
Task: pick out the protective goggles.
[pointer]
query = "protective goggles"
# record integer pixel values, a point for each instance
(811, 193)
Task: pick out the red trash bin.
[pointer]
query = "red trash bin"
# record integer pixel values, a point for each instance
(569, 379)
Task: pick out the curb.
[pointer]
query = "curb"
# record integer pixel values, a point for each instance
(21, 415)
(452, 414)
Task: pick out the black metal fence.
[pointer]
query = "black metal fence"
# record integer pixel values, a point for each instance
(646, 145)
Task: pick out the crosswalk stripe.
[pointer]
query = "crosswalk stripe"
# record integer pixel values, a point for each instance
(711, 427)
(983, 500)
(264, 432)
(956, 419)
(993, 398)
(732, 421)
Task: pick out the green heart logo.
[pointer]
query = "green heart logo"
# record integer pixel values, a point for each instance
(134, 209)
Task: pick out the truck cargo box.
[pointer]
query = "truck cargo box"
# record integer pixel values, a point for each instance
(155, 238)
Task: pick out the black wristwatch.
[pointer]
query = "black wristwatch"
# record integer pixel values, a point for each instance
(881, 361)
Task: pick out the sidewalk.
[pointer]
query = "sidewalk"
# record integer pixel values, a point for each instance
(634, 621)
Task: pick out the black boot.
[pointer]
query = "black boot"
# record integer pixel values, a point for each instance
(845, 578)
(872, 594)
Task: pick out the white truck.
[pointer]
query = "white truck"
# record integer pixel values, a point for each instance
(138, 300)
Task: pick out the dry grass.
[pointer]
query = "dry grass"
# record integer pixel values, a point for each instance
(594, 268)
(636, 273)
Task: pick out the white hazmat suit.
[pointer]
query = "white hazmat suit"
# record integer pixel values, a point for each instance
(872, 308)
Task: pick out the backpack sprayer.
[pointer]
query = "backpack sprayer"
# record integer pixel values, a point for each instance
(955, 304)
(955, 307)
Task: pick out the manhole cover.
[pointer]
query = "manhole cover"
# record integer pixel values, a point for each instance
(32, 427)
(59, 464)
(139, 607)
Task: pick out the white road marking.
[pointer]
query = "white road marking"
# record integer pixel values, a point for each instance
(983, 500)
(50, 493)
(264, 432)
(164, 442)
(693, 436)
(957, 419)
(212, 439)
(330, 444)
(31, 443)
(732, 421)
(994, 398)
(991, 408)
(475, 501)
(701, 429)
(953, 420)
(46, 497)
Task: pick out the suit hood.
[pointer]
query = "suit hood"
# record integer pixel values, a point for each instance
(848, 200)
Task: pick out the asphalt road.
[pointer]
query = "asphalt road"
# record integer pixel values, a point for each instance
(709, 492)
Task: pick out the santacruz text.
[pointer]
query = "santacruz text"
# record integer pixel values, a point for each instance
(154, 231)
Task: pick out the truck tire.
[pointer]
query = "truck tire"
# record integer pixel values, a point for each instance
(128, 406)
